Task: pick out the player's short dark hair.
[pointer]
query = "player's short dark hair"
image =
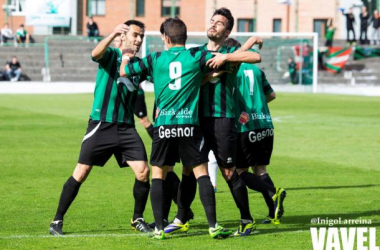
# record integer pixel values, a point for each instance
(135, 22)
(176, 30)
(227, 14)
(162, 28)
(230, 42)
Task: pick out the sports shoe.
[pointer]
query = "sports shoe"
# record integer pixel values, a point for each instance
(245, 228)
(56, 227)
(158, 234)
(140, 225)
(278, 200)
(270, 220)
(177, 228)
(153, 224)
(219, 232)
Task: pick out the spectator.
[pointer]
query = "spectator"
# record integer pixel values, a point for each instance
(364, 18)
(350, 20)
(7, 34)
(292, 70)
(13, 69)
(22, 35)
(92, 29)
(376, 27)
(330, 33)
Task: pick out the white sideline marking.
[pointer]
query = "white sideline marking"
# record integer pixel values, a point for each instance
(121, 235)
(93, 235)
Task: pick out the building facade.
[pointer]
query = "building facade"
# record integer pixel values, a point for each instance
(250, 15)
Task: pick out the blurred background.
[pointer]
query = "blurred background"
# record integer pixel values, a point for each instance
(306, 41)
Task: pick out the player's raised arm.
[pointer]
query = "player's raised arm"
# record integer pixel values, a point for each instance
(244, 56)
(142, 66)
(250, 42)
(98, 52)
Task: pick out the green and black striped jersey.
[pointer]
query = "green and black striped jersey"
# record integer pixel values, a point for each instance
(217, 95)
(251, 107)
(177, 75)
(113, 102)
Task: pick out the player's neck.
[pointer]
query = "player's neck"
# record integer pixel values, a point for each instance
(214, 45)
(175, 45)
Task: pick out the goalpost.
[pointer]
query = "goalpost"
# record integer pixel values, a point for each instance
(278, 47)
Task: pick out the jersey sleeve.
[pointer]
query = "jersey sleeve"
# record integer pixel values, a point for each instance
(141, 67)
(266, 86)
(107, 54)
(204, 57)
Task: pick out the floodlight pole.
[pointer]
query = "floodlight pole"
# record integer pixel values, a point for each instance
(172, 9)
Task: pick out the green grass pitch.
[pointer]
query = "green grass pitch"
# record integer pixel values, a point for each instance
(326, 154)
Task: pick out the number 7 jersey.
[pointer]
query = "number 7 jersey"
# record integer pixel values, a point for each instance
(177, 75)
(251, 108)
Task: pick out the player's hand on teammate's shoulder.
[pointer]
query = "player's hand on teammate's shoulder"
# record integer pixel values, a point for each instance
(218, 60)
(121, 28)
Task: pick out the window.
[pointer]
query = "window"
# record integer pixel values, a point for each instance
(19, 6)
(320, 26)
(166, 7)
(140, 8)
(246, 25)
(96, 7)
(277, 25)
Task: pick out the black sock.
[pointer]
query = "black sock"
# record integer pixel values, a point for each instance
(171, 190)
(174, 188)
(150, 131)
(157, 199)
(186, 194)
(69, 192)
(141, 194)
(240, 194)
(268, 200)
(254, 182)
(207, 195)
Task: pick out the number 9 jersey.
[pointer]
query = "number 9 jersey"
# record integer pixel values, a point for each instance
(177, 75)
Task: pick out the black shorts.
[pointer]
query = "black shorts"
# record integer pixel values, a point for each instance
(140, 106)
(254, 148)
(104, 139)
(220, 136)
(172, 143)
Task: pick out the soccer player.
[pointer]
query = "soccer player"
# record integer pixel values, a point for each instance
(177, 75)
(217, 117)
(140, 105)
(255, 135)
(111, 129)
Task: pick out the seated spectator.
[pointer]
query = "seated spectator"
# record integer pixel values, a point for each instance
(13, 69)
(22, 35)
(92, 29)
(7, 34)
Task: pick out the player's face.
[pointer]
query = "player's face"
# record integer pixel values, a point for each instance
(134, 37)
(117, 42)
(218, 28)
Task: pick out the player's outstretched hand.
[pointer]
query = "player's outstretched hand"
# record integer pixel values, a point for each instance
(121, 28)
(217, 61)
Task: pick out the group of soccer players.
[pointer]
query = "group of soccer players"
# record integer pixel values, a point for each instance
(210, 97)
